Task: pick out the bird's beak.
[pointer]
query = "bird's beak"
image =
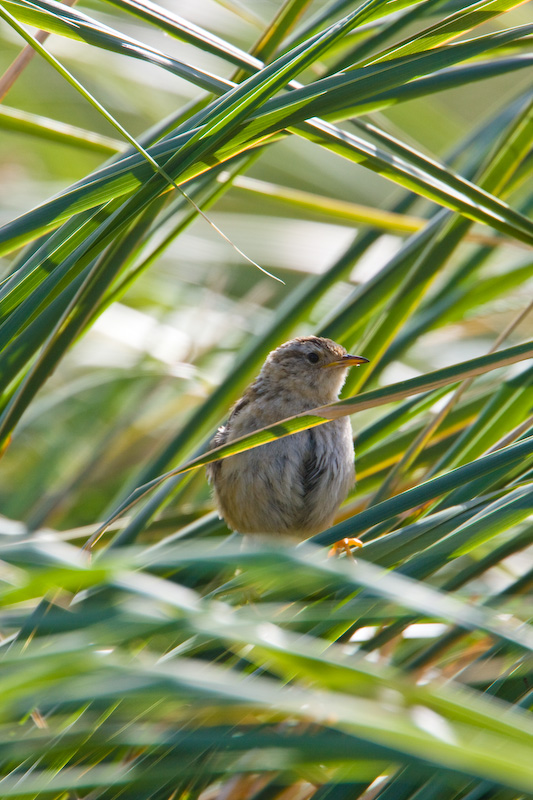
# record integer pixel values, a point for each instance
(348, 361)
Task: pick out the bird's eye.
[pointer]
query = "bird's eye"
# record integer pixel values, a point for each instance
(313, 358)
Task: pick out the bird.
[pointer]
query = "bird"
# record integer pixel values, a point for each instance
(291, 487)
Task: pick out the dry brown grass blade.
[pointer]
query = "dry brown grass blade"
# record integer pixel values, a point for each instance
(17, 67)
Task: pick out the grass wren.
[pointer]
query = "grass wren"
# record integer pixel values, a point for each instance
(295, 485)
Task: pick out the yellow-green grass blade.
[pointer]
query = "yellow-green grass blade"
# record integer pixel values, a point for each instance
(449, 28)
(45, 128)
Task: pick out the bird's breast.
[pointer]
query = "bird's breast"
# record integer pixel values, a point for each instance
(292, 486)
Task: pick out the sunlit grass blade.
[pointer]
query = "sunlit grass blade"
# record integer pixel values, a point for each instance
(60, 19)
(450, 27)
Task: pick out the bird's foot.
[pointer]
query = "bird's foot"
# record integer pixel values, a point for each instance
(345, 545)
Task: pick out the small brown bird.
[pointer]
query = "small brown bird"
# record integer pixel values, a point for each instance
(293, 486)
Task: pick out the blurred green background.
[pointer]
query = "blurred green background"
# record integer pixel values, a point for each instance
(121, 355)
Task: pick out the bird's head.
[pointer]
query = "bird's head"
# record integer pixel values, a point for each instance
(311, 367)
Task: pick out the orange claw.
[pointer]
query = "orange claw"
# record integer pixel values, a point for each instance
(344, 544)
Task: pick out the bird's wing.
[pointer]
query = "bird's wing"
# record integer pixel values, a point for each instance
(220, 438)
(312, 467)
